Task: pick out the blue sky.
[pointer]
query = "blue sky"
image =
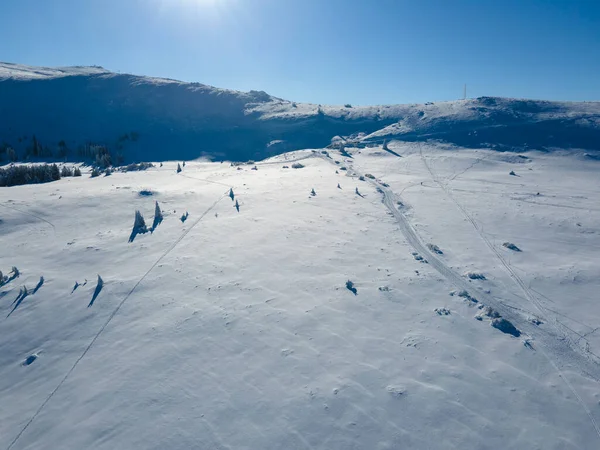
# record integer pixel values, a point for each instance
(324, 51)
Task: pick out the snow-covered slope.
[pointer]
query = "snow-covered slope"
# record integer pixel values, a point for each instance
(236, 330)
(143, 118)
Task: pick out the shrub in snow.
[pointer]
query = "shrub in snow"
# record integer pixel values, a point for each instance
(3, 278)
(134, 167)
(231, 195)
(297, 166)
(183, 164)
(347, 105)
(435, 249)
(512, 172)
(350, 287)
(489, 312)
(368, 175)
(95, 173)
(76, 172)
(312, 192)
(442, 311)
(237, 206)
(343, 168)
(184, 217)
(286, 167)
(475, 276)
(466, 296)
(361, 178)
(511, 246)
(178, 168)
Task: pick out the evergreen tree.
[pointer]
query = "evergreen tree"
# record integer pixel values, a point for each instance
(178, 168)
(231, 194)
(54, 172)
(158, 217)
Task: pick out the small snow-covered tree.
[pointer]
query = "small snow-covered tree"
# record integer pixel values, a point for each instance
(139, 223)
(158, 217)
(178, 168)
(66, 172)
(76, 172)
(231, 194)
(312, 192)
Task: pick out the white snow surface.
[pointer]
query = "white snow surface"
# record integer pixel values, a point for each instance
(235, 330)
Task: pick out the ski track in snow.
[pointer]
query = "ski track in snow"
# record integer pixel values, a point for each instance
(32, 215)
(112, 315)
(559, 353)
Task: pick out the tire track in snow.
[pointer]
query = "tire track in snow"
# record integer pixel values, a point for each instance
(111, 317)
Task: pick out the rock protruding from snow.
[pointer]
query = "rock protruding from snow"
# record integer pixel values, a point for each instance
(505, 326)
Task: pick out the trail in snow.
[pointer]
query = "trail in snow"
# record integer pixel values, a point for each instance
(514, 276)
(556, 346)
(32, 215)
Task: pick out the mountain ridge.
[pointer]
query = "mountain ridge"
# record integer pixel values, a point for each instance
(180, 120)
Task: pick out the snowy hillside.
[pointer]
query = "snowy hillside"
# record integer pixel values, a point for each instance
(367, 301)
(147, 119)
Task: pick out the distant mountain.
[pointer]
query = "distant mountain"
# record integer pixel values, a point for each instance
(149, 119)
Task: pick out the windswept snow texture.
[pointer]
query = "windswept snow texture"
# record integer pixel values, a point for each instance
(144, 119)
(236, 330)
